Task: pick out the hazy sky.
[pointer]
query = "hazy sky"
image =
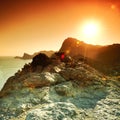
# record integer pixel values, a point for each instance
(34, 25)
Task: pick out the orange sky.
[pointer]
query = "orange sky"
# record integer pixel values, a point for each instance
(34, 25)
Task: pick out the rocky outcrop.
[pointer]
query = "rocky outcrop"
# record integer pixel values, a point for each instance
(40, 60)
(61, 92)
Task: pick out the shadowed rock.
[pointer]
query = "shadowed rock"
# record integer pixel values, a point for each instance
(40, 60)
(106, 59)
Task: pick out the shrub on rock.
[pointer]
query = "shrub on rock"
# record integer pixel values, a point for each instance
(40, 60)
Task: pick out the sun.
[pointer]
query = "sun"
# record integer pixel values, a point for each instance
(90, 29)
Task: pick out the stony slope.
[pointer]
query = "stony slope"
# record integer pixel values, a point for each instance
(61, 92)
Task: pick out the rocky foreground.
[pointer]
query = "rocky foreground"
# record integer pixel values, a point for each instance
(61, 92)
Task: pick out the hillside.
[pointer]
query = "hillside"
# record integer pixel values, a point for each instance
(74, 47)
(104, 58)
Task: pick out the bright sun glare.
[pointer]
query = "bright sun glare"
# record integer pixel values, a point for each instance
(90, 29)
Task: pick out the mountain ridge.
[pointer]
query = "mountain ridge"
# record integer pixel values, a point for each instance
(99, 57)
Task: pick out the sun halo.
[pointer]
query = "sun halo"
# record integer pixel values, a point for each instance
(90, 29)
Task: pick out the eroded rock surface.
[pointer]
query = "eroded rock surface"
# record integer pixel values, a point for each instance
(61, 93)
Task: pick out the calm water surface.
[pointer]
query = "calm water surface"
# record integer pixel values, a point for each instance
(8, 67)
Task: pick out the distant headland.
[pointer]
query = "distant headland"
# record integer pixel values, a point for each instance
(28, 56)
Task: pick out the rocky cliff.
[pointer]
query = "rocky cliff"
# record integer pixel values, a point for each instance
(60, 91)
(64, 87)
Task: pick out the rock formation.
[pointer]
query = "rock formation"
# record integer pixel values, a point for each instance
(60, 91)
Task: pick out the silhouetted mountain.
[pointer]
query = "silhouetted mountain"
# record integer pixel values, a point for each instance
(109, 54)
(28, 56)
(74, 47)
(25, 56)
(104, 58)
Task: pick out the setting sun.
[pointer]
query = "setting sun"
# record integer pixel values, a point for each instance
(90, 29)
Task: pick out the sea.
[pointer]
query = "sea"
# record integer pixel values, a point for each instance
(9, 66)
